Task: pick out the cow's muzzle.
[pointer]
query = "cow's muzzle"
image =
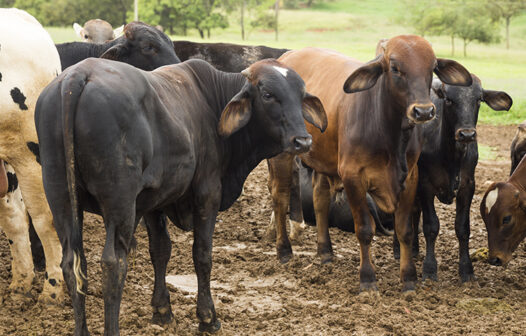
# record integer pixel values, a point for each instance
(466, 135)
(302, 143)
(420, 113)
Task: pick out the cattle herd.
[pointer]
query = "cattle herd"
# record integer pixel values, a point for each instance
(123, 128)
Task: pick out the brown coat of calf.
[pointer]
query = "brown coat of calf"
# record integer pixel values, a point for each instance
(370, 141)
(503, 209)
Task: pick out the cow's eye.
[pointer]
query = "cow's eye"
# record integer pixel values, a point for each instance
(448, 102)
(506, 220)
(395, 70)
(147, 48)
(267, 95)
(85, 36)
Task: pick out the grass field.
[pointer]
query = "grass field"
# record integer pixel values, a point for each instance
(353, 27)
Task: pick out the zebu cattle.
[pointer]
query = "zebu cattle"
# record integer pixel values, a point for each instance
(503, 209)
(142, 46)
(28, 62)
(97, 31)
(179, 140)
(371, 142)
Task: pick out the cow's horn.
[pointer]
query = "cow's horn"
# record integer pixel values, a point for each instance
(246, 73)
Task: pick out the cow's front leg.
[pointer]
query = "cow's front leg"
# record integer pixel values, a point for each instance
(431, 226)
(160, 248)
(280, 177)
(321, 196)
(462, 229)
(364, 227)
(207, 201)
(297, 224)
(404, 227)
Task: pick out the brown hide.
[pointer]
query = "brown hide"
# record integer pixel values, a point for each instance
(503, 209)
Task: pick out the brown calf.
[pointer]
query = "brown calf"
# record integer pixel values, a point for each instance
(369, 142)
(503, 210)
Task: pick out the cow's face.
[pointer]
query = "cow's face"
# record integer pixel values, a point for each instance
(96, 31)
(274, 98)
(503, 211)
(143, 46)
(408, 63)
(461, 106)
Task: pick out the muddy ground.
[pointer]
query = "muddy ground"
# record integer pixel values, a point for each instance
(255, 295)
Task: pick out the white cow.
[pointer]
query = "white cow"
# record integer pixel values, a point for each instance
(97, 31)
(28, 62)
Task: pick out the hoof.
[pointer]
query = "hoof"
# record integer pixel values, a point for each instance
(162, 318)
(209, 327)
(326, 258)
(468, 277)
(408, 286)
(368, 287)
(429, 276)
(55, 299)
(284, 257)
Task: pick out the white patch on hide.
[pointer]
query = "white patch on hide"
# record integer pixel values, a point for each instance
(491, 199)
(281, 70)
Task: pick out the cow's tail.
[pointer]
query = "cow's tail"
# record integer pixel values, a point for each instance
(72, 88)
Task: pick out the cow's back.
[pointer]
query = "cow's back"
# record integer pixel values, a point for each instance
(28, 62)
(324, 72)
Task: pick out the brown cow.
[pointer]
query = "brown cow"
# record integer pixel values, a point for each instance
(518, 146)
(369, 142)
(503, 209)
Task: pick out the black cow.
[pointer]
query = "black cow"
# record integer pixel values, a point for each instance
(225, 56)
(179, 141)
(447, 164)
(142, 46)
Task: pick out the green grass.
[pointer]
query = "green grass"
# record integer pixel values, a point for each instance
(353, 27)
(487, 152)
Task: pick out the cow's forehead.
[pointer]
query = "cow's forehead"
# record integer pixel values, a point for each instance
(410, 49)
(271, 71)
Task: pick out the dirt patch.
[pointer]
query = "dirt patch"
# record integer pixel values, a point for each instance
(255, 295)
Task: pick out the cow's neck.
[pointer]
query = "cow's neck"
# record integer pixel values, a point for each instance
(244, 149)
(73, 52)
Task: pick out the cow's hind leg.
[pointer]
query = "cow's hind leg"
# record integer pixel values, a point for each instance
(14, 222)
(30, 181)
(119, 219)
(160, 252)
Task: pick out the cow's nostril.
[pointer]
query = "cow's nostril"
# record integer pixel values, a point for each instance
(424, 113)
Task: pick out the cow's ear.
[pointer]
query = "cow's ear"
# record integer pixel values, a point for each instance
(497, 100)
(365, 76)
(118, 31)
(452, 72)
(116, 53)
(236, 114)
(78, 30)
(314, 112)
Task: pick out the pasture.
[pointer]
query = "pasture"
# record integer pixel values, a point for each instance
(255, 294)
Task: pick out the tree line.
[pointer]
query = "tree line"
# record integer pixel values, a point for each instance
(176, 16)
(468, 20)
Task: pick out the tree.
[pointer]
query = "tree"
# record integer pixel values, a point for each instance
(506, 10)
(475, 24)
